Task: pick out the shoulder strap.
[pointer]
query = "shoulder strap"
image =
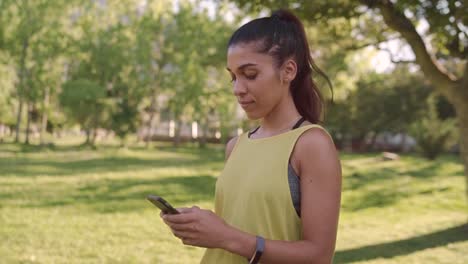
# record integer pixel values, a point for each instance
(299, 122)
(253, 131)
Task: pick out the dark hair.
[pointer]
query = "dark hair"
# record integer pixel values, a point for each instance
(282, 35)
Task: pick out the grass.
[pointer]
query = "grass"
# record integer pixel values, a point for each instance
(66, 204)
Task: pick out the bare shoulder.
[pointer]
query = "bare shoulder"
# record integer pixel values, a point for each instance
(229, 146)
(315, 139)
(315, 151)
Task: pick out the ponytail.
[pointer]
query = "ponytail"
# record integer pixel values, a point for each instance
(282, 35)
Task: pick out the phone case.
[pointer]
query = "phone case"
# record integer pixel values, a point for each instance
(162, 204)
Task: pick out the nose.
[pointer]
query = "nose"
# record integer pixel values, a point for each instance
(239, 88)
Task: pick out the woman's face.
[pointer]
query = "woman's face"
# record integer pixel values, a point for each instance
(255, 79)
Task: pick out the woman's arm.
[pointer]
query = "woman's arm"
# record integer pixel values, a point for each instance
(320, 173)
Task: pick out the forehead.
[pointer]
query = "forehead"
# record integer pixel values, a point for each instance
(241, 54)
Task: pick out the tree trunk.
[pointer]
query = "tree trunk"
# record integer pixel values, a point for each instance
(88, 136)
(28, 122)
(177, 130)
(45, 105)
(93, 139)
(150, 124)
(22, 76)
(18, 119)
(202, 136)
(149, 134)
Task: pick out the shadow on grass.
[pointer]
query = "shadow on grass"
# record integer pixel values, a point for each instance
(359, 179)
(386, 187)
(33, 148)
(188, 148)
(24, 167)
(377, 198)
(403, 247)
(84, 162)
(115, 196)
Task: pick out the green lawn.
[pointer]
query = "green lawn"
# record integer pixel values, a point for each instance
(77, 205)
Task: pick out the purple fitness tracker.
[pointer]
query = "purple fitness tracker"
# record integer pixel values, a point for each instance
(258, 251)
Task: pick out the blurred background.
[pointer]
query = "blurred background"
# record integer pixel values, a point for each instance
(103, 102)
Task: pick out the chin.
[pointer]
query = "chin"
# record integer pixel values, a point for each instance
(253, 116)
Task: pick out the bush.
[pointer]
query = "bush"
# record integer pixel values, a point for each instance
(433, 135)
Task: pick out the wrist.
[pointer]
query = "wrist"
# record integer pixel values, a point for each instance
(260, 247)
(239, 243)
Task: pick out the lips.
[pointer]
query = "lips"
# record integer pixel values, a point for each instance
(245, 103)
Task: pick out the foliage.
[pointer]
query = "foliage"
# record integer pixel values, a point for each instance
(381, 103)
(398, 100)
(140, 52)
(446, 20)
(7, 100)
(195, 49)
(433, 135)
(84, 102)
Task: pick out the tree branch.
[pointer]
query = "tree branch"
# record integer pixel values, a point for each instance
(369, 44)
(392, 57)
(433, 70)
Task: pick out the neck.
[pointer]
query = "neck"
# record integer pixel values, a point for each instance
(280, 119)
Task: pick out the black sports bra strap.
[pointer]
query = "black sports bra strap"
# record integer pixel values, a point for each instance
(299, 122)
(253, 131)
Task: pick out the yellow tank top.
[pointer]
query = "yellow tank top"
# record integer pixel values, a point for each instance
(252, 192)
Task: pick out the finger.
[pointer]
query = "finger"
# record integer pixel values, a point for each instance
(189, 242)
(179, 218)
(183, 235)
(184, 227)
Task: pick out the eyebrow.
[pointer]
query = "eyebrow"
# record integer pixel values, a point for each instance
(243, 66)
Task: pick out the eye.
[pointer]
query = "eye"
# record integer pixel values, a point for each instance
(251, 76)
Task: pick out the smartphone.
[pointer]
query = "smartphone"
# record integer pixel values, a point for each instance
(162, 204)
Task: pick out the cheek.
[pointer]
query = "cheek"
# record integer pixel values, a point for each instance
(265, 88)
(269, 92)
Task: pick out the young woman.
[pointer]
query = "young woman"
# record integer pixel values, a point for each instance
(278, 197)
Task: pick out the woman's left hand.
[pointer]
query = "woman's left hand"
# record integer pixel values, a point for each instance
(197, 227)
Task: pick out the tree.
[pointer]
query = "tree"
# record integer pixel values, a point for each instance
(31, 35)
(189, 79)
(84, 103)
(7, 100)
(399, 99)
(443, 43)
(386, 102)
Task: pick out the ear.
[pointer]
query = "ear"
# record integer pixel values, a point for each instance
(288, 71)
